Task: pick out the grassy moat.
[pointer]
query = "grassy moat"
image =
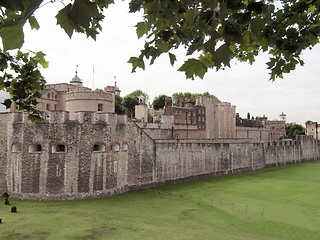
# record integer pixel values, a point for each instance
(274, 203)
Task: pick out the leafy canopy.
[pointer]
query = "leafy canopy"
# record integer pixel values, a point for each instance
(176, 97)
(159, 102)
(294, 129)
(213, 32)
(218, 31)
(131, 100)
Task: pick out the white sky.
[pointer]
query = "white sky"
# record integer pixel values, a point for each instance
(246, 86)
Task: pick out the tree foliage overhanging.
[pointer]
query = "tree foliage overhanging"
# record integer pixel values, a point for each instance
(213, 31)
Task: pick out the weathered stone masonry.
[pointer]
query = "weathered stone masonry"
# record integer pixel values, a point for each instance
(100, 154)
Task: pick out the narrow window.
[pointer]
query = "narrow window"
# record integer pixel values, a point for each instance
(59, 148)
(124, 146)
(58, 171)
(115, 166)
(48, 106)
(189, 114)
(189, 121)
(99, 148)
(194, 113)
(199, 118)
(180, 113)
(176, 112)
(15, 147)
(176, 120)
(48, 95)
(115, 147)
(55, 107)
(100, 107)
(35, 148)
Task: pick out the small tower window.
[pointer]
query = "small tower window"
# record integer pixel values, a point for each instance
(15, 147)
(35, 148)
(100, 107)
(99, 148)
(115, 147)
(58, 171)
(115, 166)
(59, 148)
(125, 146)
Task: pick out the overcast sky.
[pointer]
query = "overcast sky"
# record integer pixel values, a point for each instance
(246, 86)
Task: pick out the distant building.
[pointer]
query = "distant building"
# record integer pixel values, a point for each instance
(74, 97)
(312, 129)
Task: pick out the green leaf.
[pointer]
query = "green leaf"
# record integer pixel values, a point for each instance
(12, 36)
(82, 12)
(257, 25)
(7, 103)
(136, 62)
(223, 55)
(172, 58)
(142, 28)
(206, 59)
(65, 21)
(33, 23)
(13, 4)
(193, 67)
(40, 58)
(162, 45)
(210, 45)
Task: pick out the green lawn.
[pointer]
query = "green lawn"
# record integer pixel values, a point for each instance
(274, 203)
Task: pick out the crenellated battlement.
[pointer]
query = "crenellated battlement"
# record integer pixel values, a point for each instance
(61, 117)
(89, 95)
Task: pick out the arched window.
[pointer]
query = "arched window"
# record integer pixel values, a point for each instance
(48, 95)
(35, 148)
(124, 146)
(115, 147)
(99, 148)
(59, 148)
(15, 147)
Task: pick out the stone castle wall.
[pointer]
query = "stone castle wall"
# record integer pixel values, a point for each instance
(177, 160)
(3, 150)
(105, 154)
